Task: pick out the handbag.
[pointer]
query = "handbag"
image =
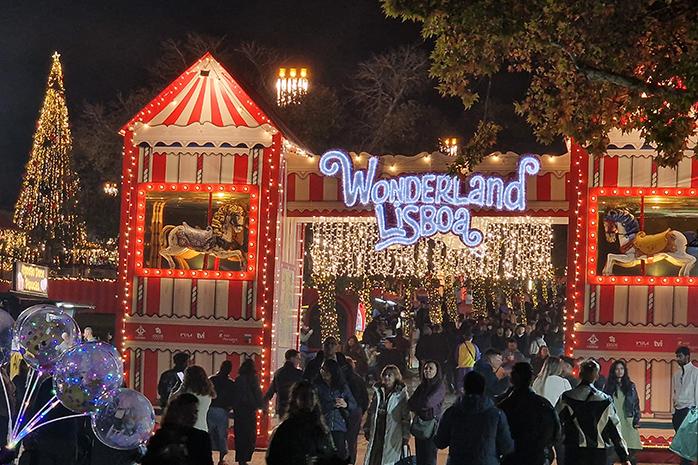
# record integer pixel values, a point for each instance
(423, 429)
(406, 457)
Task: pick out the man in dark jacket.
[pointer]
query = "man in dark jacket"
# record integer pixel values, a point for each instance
(284, 379)
(590, 422)
(389, 355)
(534, 424)
(475, 431)
(217, 416)
(490, 367)
(172, 378)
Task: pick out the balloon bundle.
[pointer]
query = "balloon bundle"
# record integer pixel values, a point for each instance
(87, 379)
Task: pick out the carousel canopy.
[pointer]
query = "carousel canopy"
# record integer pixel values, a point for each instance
(206, 103)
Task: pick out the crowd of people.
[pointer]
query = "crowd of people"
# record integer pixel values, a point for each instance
(513, 407)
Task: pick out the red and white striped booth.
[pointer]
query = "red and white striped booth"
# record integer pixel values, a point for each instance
(642, 317)
(203, 137)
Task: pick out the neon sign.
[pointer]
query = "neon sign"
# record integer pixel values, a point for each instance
(414, 206)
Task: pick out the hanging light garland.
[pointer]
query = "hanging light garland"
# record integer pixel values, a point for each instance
(514, 248)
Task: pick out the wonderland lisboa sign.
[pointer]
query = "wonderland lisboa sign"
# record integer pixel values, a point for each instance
(410, 207)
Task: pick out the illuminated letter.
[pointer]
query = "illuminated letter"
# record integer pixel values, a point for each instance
(477, 191)
(515, 193)
(387, 236)
(443, 186)
(461, 227)
(411, 189)
(411, 221)
(395, 196)
(428, 190)
(457, 198)
(495, 187)
(334, 160)
(444, 219)
(427, 220)
(380, 191)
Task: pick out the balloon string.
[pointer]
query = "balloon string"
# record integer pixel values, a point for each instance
(33, 427)
(7, 402)
(50, 405)
(29, 388)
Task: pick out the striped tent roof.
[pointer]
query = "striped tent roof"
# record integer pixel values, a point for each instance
(204, 93)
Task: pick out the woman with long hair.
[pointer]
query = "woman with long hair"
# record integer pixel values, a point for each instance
(178, 442)
(550, 383)
(336, 403)
(356, 351)
(538, 359)
(302, 437)
(624, 393)
(196, 382)
(427, 405)
(387, 426)
(247, 400)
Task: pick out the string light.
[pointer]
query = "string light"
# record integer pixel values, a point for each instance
(513, 248)
(47, 205)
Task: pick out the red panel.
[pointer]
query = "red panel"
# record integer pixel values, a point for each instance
(196, 112)
(543, 185)
(234, 299)
(172, 118)
(240, 169)
(159, 167)
(694, 172)
(150, 374)
(291, 187)
(606, 302)
(153, 297)
(237, 119)
(693, 306)
(610, 171)
(316, 188)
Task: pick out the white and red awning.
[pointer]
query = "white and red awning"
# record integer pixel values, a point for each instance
(205, 94)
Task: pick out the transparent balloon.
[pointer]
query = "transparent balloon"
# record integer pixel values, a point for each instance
(124, 420)
(6, 334)
(43, 334)
(85, 373)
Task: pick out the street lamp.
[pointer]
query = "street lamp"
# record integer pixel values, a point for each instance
(291, 85)
(111, 189)
(449, 146)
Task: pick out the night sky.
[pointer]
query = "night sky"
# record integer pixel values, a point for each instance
(106, 48)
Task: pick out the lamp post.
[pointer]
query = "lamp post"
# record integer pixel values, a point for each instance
(291, 85)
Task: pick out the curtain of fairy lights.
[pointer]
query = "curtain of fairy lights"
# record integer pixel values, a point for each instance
(513, 248)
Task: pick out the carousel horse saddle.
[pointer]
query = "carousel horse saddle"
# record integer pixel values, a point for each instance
(650, 244)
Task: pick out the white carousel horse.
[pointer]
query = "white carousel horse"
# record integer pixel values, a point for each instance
(636, 246)
(184, 241)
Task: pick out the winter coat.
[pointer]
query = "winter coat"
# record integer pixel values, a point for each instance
(475, 432)
(631, 406)
(391, 357)
(493, 385)
(358, 389)
(335, 419)
(225, 390)
(397, 424)
(428, 399)
(298, 439)
(248, 394)
(179, 445)
(284, 379)
(534, 426)
(170, 380)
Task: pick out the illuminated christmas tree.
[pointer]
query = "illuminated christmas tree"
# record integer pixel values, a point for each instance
(47, 207)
